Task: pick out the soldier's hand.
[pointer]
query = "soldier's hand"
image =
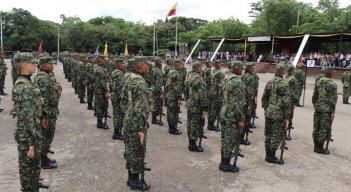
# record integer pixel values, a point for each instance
(249, 110)
(30, 152)
(286, 124)
(255, 100)
(107, 95)
(45, 123)
(161, 97)
(332, 116)
(141, 137)
(204, 114)
(241, 126)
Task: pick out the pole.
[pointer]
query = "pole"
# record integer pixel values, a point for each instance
(298, 21)
(175, 48)
(154, 41)
(2, 45)
(58, 43)
(219, 46)
(192, 51)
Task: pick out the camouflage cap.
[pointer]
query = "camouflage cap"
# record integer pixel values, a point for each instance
(290, 67)
(237, 64)
(46, 59)
(300, 65)
(168, 62)
(196, 64)
(327, 69)
(280, 67)
(250, 65)
(119, 60)
(24, 57)
(177, 61)
(208, 61)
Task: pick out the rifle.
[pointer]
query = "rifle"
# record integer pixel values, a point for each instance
(143, 168)
(202, 136)
(161, 113)
(282, 146)
(237, 150)
(253, 117)
(328, 139)
(247, 131)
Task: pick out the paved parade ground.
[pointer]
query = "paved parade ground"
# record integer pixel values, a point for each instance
(90, 161)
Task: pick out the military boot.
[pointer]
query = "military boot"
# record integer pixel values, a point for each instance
(101, 125)
(287, 136)
(244, 141)
(211, 126)
(46, 164)
(136, 184)
(267, 155)
(225, 165)
(346, 101)
(90, 106)
(82, 100)
(2, 92)
(318, 148)
(272, 158)
(174, 130)
(51, 160)
(192, 145)
(129, 177)
(154, 120)
(41, 185)
(35, 185)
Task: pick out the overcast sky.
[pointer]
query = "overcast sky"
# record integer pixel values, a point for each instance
(145, 11)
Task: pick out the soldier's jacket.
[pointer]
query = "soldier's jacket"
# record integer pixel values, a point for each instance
(166, 70)
(149, 76)
(3, 68)
(183, 73)
(294, 88)
(325, 95)
(173, 87)
(207, 74)
(346, 79)
(195, 91)
(233, 98)
(28, 110)
(89, 76)
(43, 81)
(276, 99)
(158, 81)
(100, 79)
(216, 84)
(319, 76)
(81, 71)
(251, 82)
(138, 102)
(124, 91)
(300, 76)
(115, 83)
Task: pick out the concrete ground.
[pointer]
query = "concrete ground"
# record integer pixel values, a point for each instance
(90, 161)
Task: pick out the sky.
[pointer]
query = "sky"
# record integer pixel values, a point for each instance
(146, 11)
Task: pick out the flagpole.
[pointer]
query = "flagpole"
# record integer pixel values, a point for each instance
(58, 43)
(175, 51)
(2, 45)
(154, 41)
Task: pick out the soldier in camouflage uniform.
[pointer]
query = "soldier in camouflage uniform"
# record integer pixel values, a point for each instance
(215, 97)
(232, 115)
(173, 95)
(81, 77)
(51, 91)
(276, 104)
(320, 75)
(14, 71)
(136, 125)
(157, 91)
(324, 102)
(346, 84)
(89, 80)
(166, 69)
(183, 73)
(28, 110)
(101, 92)
(115, 86)
(300, 75)
(294, 89)
(3, 71)
(251, 81)
(197, 107)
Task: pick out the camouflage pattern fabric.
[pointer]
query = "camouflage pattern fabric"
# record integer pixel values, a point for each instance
(301, 78)
(251, 82)
(215, 95)
(115, 86)
(346, 84)
(157, 91)
(89, 79)
(81, 78)
(101, 102)
(173, 93)
(3, 72)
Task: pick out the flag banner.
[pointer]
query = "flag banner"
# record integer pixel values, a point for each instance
(97, 50)
(126, 51)
(105, 50)
(173, 10)
(40, 49)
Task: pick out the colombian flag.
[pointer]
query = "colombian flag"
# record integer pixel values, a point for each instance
(173, 10)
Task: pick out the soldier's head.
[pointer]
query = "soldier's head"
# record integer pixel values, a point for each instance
(197, 67)
(158, 63)
(208, 63)
(25, 63)
(178, 64)
(120, 64)
(328, 71)
(141, 67)
(291, 69)
(250, 68)
(169, 62)
(237, 67)
(280, 70)
(91, 58)
(83, 58)
(46, 63)
(218, 64)
(100, 60)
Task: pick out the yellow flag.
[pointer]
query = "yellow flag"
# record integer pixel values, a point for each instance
(126, 51)
(105, 50)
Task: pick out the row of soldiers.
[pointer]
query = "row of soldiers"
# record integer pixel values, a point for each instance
(36, 109)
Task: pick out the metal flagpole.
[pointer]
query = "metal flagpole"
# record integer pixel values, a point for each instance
(2, 45)
(175, 48)
(154, 42)
(58, 43)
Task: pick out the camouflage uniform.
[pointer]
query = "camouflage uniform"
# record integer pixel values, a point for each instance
(166, 70)
(81, 76)
(3, 72)
(28, 110)
(215, 98)
(301, 78)
(157, 92)
(115, 86)
(230, 115)
(346, 84)
(276, 103)
(14, 71)
(197, 104)
(324, 102)
(320, 76)
(294, 89)
(173, 94)
(89, 79)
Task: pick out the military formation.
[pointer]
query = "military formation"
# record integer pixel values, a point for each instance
(140, 87)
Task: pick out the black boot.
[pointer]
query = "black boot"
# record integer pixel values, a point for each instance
(267, 155)
(318, 148)
(35, 185)
(192, 145)
(41, 185)
(82, 100)
(346, 101)
(117, 134)
(136, 184)
(2, 92)
(272, 158)
(287, 136)
(173, 130)
(225, 165)
(244, 141)
(154, 120)
(211, 126)
(101, 125)
(90, 106)
(51, 160)
(129, 177)
(46, 164)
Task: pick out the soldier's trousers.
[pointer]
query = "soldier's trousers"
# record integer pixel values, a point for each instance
(48, 135)
(273, 133)
(81, 89)
(172, 116)
(101, 106)
(118, 114)
(346, 92)
(158, 103)
(134, 153)
(29, 168)
(2, 81)
(299, 92)
(229, 132)
(90, 93)
(321, 126)
(195, 124)
(215, 109)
